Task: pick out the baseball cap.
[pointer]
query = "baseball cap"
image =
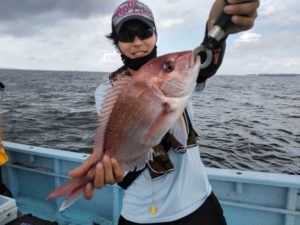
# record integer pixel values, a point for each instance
(132, 9)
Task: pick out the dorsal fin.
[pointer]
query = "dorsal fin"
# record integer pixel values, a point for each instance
(107, 106)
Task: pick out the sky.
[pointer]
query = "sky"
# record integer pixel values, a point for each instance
(70, 35)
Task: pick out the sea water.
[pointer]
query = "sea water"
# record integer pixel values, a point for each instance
(243, 122)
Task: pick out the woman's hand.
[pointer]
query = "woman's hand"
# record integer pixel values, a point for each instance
(244, 13)
(108, 171)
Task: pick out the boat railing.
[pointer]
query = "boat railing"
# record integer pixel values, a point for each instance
(247, 197)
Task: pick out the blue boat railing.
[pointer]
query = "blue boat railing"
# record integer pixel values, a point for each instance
(247, 197)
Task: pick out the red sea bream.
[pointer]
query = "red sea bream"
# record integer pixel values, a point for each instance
(137, 112)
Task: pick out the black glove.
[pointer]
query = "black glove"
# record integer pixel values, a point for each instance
(218, 54)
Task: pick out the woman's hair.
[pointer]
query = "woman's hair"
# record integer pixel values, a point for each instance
(113, 37)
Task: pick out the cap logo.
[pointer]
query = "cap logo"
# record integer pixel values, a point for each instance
(132, 7)
(123, 10)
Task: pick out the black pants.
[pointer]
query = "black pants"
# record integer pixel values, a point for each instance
(209, 213)
(3, 189)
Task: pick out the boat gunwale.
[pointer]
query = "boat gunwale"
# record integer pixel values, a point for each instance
(226, 175)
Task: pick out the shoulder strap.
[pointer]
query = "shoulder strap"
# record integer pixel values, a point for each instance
(132, 175)
(190, 125)
(129, 178)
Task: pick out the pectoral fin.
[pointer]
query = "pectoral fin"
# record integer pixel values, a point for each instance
(168, 106)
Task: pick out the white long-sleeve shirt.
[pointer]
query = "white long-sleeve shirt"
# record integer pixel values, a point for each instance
(175, 194)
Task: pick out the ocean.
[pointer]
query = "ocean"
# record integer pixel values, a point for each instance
(243, 122)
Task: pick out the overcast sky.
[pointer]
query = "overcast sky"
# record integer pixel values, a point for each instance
(70, 35)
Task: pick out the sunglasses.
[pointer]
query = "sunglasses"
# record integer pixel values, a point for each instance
(127, 35)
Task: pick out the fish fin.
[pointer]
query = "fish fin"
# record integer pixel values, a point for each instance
(154, 127)
(105, 112)
(141, 162)
(67, 188)
(75, 195)
(169, 104)
(179, 131)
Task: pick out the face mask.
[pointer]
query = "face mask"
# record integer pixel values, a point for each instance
(137, 63)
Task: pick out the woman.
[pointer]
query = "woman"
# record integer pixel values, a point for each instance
(183, 194)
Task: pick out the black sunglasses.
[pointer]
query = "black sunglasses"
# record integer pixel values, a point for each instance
(127, 35)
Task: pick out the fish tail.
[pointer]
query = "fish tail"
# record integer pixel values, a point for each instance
(73, 188)
(68, 188)
(76, 194)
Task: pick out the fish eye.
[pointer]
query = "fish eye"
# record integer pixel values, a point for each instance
(168, 66)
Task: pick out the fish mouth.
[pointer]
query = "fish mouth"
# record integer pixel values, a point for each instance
(194, 60)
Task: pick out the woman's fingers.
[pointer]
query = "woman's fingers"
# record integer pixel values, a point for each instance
(88, 191)
(85, 166)
(245, 9)
(117, 170)
(107, 171)
(99, 176)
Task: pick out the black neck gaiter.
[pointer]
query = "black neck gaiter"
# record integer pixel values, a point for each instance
(135, 64)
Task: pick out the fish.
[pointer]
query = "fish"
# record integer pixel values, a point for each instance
(137, 111)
